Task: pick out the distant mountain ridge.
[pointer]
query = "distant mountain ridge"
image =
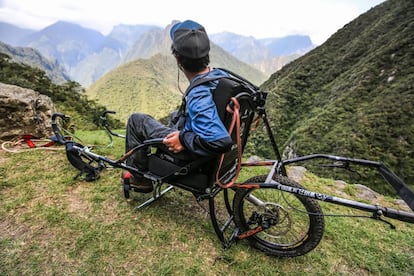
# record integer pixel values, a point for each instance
(13, 35)
(87, 55)
(33, 58)
(252, 50)
(128, 34)
(292, 44)
(69, 44)
(269, 54)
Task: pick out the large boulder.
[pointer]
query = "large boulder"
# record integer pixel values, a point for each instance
(24, 111)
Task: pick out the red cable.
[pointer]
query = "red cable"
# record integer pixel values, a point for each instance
(235, 122)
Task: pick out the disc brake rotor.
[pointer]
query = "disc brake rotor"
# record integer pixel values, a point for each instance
(275, 218)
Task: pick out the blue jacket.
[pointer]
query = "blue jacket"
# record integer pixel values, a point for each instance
(203, 132)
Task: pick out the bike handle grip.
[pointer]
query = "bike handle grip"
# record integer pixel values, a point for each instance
(61, 115)
(399, 215)
(59, 136)
(108, 112)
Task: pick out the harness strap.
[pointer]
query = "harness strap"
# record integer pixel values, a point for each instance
(181, 110)
(235, 123)
(256, 123)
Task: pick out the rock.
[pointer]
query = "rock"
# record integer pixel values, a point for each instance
(402, 204)
(254, 158)
(296, 173)
(366, 193)
(340, 184)
(24, 111)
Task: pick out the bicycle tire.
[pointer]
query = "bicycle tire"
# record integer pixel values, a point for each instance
(293, 232)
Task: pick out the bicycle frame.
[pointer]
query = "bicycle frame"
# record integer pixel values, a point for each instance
(279, 167)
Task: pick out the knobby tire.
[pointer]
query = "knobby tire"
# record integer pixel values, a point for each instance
(297, 221)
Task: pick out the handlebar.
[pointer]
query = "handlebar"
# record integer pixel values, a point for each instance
(61, 115)
(56, 130)
(398, 214)
(108, 112)
(154, 142)
(104, 123)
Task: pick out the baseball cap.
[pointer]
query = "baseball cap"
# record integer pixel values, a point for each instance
(190, 39)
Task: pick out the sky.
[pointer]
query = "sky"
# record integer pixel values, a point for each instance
(258, 18)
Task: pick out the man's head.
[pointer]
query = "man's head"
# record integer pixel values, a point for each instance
(190, 39)
(190, 45)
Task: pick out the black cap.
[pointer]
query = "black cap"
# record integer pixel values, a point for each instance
(190, 39)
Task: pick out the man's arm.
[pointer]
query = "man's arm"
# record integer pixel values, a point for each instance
(198, 145)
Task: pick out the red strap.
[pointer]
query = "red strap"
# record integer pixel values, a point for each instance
(256, 123)
(235, 122)
(29, 142)
(49, 144)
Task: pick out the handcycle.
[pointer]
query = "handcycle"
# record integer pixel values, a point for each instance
(274, 213)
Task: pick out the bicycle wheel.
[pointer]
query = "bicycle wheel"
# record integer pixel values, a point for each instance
(293, 224)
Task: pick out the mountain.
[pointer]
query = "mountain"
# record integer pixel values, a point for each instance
(353, 95)
(128, 34)
(13, 35)
(292, 44)
(269, 66)
(85, 53)
(33, 58)
(245, 48)
(68, 43)
(268, 55)
(263, 49)
(150, 43)
(112, 54)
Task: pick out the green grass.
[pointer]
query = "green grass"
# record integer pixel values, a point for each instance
(53, 224)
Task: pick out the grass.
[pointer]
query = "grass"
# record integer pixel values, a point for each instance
(52, 224)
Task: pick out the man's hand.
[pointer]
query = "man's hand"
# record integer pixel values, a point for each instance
(172, 141)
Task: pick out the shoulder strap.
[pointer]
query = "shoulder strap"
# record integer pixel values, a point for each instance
(238, 78)
(200, 81)
(232, 76)
(183, 105)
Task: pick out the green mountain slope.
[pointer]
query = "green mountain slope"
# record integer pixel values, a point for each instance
(354, 94)
(144, 85)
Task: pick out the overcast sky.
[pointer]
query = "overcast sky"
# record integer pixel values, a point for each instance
(258, 18)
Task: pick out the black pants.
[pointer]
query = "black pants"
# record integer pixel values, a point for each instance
(141, 127)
